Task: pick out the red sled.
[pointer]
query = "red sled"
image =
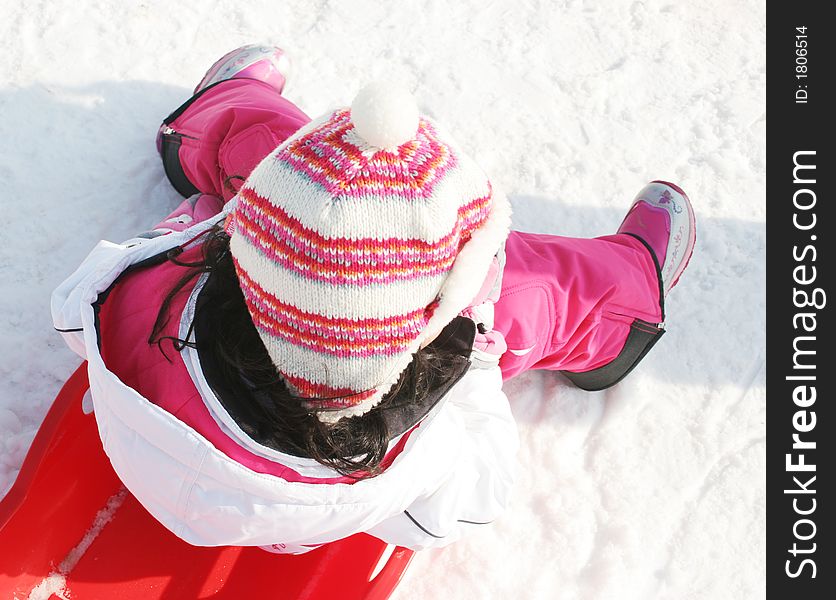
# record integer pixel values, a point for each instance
(69, 529)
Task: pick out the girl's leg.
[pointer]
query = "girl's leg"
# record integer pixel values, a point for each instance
(577, 305)
(592, 308)
(213, 141)
(234, 119)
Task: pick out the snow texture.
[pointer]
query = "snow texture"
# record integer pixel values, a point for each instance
(55, 582)
(653, 489)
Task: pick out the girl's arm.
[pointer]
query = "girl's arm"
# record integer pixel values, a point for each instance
(473, 487)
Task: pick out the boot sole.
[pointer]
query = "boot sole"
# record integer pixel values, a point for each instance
(692, 237)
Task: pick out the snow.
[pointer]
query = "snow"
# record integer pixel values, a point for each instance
(653, 489)
(56, 582)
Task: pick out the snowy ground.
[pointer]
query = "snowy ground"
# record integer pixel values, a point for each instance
(654, 489)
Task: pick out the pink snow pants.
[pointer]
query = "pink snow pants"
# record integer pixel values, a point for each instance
(589, 308)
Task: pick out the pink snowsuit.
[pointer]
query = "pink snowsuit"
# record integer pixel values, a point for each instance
(590, 308)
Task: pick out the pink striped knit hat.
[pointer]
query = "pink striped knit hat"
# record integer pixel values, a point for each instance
(357, 239)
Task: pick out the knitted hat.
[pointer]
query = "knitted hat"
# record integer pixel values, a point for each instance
(358, 238)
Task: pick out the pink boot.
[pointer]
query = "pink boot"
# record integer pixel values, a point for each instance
(266, 63)
(662, 217)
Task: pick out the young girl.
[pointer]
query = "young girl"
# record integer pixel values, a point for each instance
(314, 343)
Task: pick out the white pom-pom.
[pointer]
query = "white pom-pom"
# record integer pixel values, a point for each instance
(385, 115)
